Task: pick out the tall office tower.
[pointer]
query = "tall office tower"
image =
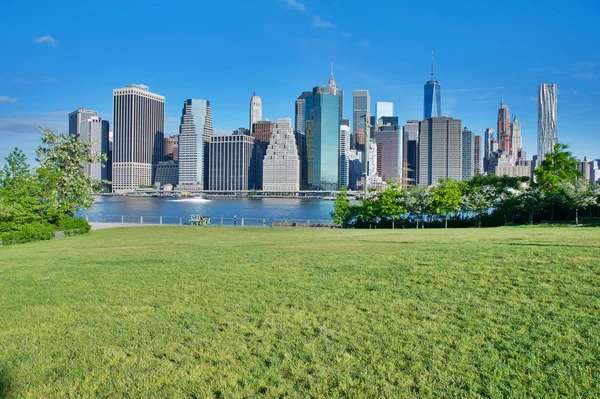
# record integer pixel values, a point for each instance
(195, 132)
(95, 131)
(433, 97)
(468, 154)
(516, 139)
(355, 168)
(547, 121)
(171, 148)
(477, 156)
(359, 139)
(344, 175)
(167, 172)
(300, 108)
(323, 110)
(504, 138)
(440, 150)
(410, 153)
(230, 163)
(310, 152)
(76, 117)
(255, 110)
(301, 145)
(584, 167)
(373, 178)
(487, 151)
(389, 144)
(281, 165)
(361, 106)
(384, 109)
(139, 125)
(263, 130)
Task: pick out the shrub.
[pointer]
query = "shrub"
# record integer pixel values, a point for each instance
(28, 233)
(71, 225)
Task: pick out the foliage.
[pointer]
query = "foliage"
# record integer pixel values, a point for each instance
(343, 212)
(28, 233)
(531, 200)
(447, 196)
(418, 201)
(579, 195)
(270, 313)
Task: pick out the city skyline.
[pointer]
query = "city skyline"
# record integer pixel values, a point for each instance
(40, 93)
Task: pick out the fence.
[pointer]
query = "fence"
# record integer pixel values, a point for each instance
(212, 221)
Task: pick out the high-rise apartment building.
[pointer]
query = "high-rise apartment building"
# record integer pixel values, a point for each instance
(344, 173)
(504, 131)
(361, 106)
(255, 110)
(432, 97)
(389, 144)
(171, 148)
(468, 154)
(440, 150)
(477, 170)
(139, 125)
(410, 153)
(384, 109)
(281, 165)
(230, 163)
(195, 132)
(547, 121)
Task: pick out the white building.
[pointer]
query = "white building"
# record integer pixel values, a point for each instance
(374, 180)
(255, 110)
(95, 131)
(195, 132)
(344, 174)
(547, 106)
(281, 165)
(139, 125)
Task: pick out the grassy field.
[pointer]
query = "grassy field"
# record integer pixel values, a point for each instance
(183, 312)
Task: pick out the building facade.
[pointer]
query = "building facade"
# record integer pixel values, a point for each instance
(361, 105)
(504, 130)
(387, 136)
(477, 168)
(488, 148)
(78, 116)
(255, 110)
(468, 154)
(139, 124)
(432, 97)
(440, 150)
(263, 130)
(230, 163)
(344, 174)
(195, 132)
(410, 153)
(171, 148)
(281, 165)
(167, 172)
(547, 120)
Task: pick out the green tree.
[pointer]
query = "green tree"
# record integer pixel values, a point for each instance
(557, 169)
(63, 157)
(418, 201)
(531, 200)
(447, 196)
(392, 203)
(16, 185)
(343, 212)
(579, 195)
(478, 200)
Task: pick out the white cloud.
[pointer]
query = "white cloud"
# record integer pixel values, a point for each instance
(6, 99)
(588, 75)
(321, 23)
(531, 98)
(49, 40)
(346, 35)
(296, 5)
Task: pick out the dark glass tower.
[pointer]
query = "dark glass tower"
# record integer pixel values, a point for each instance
(433, 97)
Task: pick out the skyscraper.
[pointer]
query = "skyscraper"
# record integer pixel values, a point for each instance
(468, 154)
(477, 156)
(139, 125)
(361, 106)
(171, 148)
(255, 110)
(516, 139)
(86, 124)
(433, 97)
(263, 130)
(410, 153)
(488, 148)
(547, 121)
(322, 136)
(384, 109)
(230, 162)
(389, 144)
(194, 135)
(300, 108)
(440, 150)
(504, 131)
(281, 166)
(343, 157)
(76, 117)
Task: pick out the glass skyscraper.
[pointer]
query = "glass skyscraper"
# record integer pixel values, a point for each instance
(433, 97)
(547, 137)
(194, 135)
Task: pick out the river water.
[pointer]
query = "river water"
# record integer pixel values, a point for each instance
(175, 211)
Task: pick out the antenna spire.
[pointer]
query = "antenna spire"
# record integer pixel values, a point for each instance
(502, 99)
(432, 60)
(332, 69)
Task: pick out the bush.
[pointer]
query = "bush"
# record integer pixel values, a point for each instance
(28, 233)
(71, 225)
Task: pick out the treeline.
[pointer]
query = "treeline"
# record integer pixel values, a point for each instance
(558, 192)
(37, 202)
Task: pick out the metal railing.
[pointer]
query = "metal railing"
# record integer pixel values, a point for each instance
(219, 221)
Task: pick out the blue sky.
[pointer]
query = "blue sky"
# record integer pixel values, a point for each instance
(59, 56)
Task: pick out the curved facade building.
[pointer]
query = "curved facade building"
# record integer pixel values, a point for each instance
(547, 105)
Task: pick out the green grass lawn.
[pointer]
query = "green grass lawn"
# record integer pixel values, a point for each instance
(184, 312)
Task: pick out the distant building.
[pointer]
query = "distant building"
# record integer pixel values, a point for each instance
(389, 145)
(255, 110)
(361, 106)
(263, 130)
(281, 165)
(384, 109)
(230, 163)
(344, 174)
(468, 153)
(139, 125)
(595, 171)
(585, 168)
(410, 153)
(171, 148)
(504, 130)
(241, 130)
(195, 132)
(503, 165)
(516, 139)
(167, 172)
(440, 150)
(488, 148)
(477, 170)
(300, 112)
(95, 131)
(78, 116)
(355, 168)
(432, 97)
(547, 121)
